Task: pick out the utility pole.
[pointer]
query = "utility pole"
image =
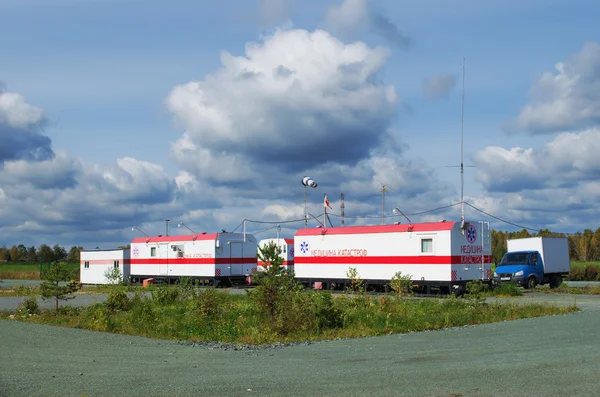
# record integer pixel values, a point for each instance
(167, 222)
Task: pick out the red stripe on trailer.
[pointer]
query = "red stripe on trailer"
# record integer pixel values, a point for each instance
(392, 260)
(285, 263)
(402, 228)
(174, 239)
(193, 261)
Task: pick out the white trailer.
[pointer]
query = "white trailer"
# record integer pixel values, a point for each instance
(287, 251)
(96, 264)
(437, 255)
(213, 258)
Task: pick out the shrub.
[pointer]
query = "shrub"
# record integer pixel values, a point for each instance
(165, 295)
(186, 288)
(356, 283)
(276, 290)
(29, 306)
(401, 285)
(510, 289)
(210, 303)
(113, 276)
(118, 300)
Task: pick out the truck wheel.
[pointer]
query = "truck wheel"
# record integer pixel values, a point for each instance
(531, 283)
(555, 282)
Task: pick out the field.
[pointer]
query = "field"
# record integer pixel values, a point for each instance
(28, 271)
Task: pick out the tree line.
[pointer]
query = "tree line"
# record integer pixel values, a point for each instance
(44, 253)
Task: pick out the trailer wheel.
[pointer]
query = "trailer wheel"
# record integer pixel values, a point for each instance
(531, 282)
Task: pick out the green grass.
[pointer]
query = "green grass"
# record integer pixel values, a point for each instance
(213, 315)
(584, 264)
(28, 271)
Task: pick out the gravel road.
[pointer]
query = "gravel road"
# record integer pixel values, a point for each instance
(548, 356)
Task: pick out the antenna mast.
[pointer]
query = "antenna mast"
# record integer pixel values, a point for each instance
(342, 206)
(462, 117)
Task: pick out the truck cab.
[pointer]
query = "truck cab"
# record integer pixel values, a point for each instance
(525, 268)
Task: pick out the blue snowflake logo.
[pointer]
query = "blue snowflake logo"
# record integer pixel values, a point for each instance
(304, 247)
(136, 251)
(471, 234)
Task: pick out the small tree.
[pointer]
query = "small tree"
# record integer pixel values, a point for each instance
(274, 284)
(113, 275)
(356, 283)
(401, 284)
(51, 288)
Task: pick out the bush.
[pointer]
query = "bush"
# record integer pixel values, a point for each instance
(584, 273)
(510, 289)
(113, 276)
(29, 306)
(210, 303)
(165, 295)
(401, 285)
(118, 300)
(356, 283)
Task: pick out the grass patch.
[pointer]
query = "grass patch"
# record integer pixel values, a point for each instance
(584, 264)
(564, 289)
(213, 315)
(29, 271)
(589, 272)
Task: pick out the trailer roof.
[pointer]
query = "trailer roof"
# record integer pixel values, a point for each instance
(172, 239)
(404, 227)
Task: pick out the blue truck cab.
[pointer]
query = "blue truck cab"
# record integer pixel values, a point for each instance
(525, 268)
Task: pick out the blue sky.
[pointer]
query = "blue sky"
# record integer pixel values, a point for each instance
(123, 112)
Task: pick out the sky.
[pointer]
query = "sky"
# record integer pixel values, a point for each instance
(122, 113)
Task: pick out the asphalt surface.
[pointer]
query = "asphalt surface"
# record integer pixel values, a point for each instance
(547, 356)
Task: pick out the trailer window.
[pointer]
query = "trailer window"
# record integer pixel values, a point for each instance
(152, 251)
(116, 264)
(86, 265)
(426, 245)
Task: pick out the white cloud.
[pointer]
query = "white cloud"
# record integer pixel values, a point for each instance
(565, 161)
(56, 173)
(16, 112)
(290, 101)
(565, 101)
(353, 16)
(20, 130)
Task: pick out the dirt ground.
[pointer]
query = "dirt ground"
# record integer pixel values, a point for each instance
(548, 356)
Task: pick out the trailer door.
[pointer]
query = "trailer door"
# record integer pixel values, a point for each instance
(235, 258)
(163, 259)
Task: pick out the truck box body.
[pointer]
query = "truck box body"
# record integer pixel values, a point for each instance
(95, 263)
(554, 251)
(200, 256)
(287, 251)
(428, 252)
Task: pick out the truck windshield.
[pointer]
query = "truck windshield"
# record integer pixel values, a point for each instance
(514, 258)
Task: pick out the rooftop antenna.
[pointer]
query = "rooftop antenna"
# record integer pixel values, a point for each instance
(186, 226)
(342, 206)
(133, 229)
(383, 190)
(462, 118)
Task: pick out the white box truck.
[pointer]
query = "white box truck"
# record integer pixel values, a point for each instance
(534, 260)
